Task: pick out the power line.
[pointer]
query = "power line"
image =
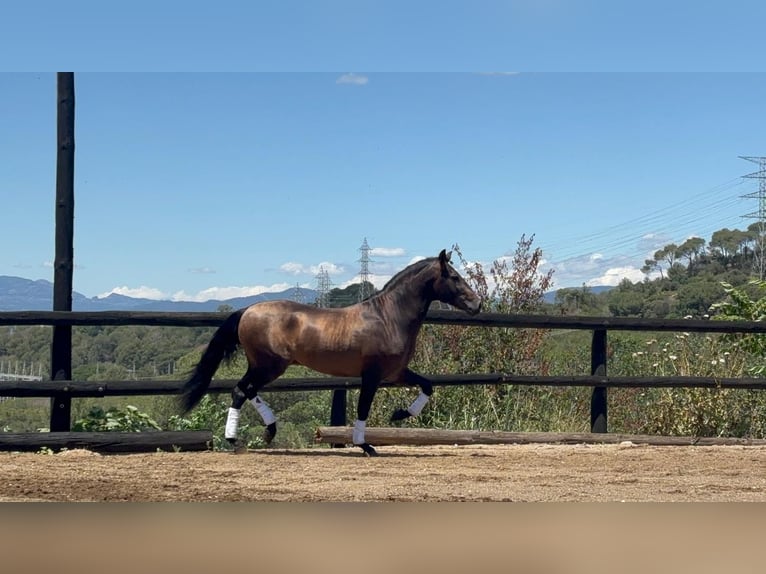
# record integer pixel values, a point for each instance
(673, 219)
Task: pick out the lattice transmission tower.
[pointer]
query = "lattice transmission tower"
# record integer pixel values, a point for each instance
(364, 271)
(323, 287)
(298, 295)
(759, 259)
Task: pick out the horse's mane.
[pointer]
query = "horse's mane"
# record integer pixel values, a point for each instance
(405, 274)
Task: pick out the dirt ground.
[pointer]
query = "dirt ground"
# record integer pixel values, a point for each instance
(527, 473)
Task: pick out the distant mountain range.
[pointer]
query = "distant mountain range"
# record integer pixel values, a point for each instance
(18, 294)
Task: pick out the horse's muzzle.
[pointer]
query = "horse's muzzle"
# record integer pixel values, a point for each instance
(472, 307)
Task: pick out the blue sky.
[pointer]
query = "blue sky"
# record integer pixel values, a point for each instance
(619, 133)
(390, 36)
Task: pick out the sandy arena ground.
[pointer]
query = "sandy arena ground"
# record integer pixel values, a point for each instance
(527, 473)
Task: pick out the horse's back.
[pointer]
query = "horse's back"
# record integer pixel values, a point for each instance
(264, 324)
(327, 340)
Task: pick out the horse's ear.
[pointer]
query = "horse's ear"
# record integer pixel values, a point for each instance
(444, 258)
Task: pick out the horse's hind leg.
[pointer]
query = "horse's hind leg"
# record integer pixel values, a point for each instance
(426, 390)
(247, 389)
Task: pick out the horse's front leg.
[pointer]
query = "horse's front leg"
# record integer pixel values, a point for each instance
(370, 382)
(426, 390)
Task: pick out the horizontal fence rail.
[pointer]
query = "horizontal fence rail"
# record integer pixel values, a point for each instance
(138, 388)
(214, 319)
(64, 390)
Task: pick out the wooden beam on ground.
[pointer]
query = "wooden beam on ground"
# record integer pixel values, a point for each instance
(378, 436)
(109, 441)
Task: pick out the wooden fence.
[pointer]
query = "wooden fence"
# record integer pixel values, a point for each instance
(62, 391)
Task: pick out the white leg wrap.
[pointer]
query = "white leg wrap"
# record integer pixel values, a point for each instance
(263, 409)
(418, 404)
(231, 423)
(358, 436)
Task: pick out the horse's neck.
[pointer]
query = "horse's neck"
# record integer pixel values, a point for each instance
(408, 304)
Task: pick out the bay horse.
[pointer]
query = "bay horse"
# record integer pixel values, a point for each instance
(373, 339)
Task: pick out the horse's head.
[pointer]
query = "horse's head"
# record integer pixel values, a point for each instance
(449, 287)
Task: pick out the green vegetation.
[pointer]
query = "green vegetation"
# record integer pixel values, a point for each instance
(695, 279)
(128, 419)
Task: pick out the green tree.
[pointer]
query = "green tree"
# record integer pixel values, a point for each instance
(577, 300)
(348, 295)
(695, 298)
(726, 243)
(738, 306)
(626, 301)
(690, 250)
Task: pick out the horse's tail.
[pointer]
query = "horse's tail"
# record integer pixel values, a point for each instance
(222, 346)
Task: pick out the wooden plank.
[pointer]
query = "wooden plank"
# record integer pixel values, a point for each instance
(214, 319)
(117, 318)
(379, 436)
(161, 387)
(593, 323)
(109, 442)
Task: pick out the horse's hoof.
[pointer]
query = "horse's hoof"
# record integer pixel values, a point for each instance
(237, 446)
(270, 433)
(400, 414)
(368, 450)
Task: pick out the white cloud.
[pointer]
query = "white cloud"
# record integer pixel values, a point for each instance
(221, 293)
(416, 259)
(216, 293)
(613, 276)
(330, 268)
(201, 270)
(142, 292)
(294, 268)
(387, 252)
(654, 241)
(377, 280)
(352, 79)
(592, 269)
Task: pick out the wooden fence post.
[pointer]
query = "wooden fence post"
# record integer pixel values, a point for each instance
(63, 265)
(598, 368)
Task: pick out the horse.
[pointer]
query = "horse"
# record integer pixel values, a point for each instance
(373, 339)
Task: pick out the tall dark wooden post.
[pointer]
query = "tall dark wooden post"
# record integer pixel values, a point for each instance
(598, 367)
(63, 266)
